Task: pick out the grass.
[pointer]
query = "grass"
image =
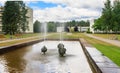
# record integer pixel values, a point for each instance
(28, 37)
(108, 36)
(107, 49)
(22, 35)
(16, 42)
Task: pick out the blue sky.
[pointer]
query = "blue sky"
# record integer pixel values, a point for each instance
(64, 10)
(41, 4)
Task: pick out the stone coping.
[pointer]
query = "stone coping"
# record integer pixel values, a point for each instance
(98, 62)
(6, 49)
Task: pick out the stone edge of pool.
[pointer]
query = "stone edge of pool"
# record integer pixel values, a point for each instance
(6, 49)
(98, 62)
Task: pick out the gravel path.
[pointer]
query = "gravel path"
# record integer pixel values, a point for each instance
(113, 42)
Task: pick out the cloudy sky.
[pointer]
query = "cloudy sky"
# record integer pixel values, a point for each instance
(64, 10)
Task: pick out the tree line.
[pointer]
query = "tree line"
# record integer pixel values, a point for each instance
(109, 21)
(14, 18)
(52, 26)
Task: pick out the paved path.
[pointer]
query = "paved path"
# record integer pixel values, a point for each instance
(114, 42)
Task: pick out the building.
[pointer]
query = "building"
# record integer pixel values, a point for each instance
(83, 29)
(60, 29)
(91, 26)
(1, 11)
(80, 29)
(30, 19)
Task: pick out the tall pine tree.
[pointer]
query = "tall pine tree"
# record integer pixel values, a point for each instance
(10, 17)
(14, 19)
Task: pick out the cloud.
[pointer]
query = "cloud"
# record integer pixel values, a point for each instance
(64, 14)
(2, 2)
(72, 10)
(79, 3)
(67, 10)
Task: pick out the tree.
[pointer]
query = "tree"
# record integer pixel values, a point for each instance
(10, 17)
(105, 22)
(116, 16)
(14, 19)
(52, 27)
(23, 17)
(107, 16)
(99, 25)
(37, 27)
(73, 23)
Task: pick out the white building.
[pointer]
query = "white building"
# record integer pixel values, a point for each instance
(30, 20)
(60, 29)
(1, 11)
(80, 29)
(91, 24)
(83, 29)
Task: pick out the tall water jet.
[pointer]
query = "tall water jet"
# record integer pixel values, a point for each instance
(61, 48)
(44, 32)
(61, 31)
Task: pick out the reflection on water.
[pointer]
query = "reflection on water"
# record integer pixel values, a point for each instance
(13, 62)
(3, 63)
(31, 60)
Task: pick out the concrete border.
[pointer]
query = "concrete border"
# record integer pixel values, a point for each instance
(6, 49)
(98, 62)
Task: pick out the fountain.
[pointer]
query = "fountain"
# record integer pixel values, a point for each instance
(61, 30)
(44, 28)
(61, 49)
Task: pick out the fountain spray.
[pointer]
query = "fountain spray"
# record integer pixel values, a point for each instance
(44, 29)
(61, 48)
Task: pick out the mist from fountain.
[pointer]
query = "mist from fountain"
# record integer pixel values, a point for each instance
(61, 32)
(61, 48)
(44, 32)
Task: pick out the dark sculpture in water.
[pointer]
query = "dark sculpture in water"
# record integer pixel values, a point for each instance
(61, 49)
(44, 49)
